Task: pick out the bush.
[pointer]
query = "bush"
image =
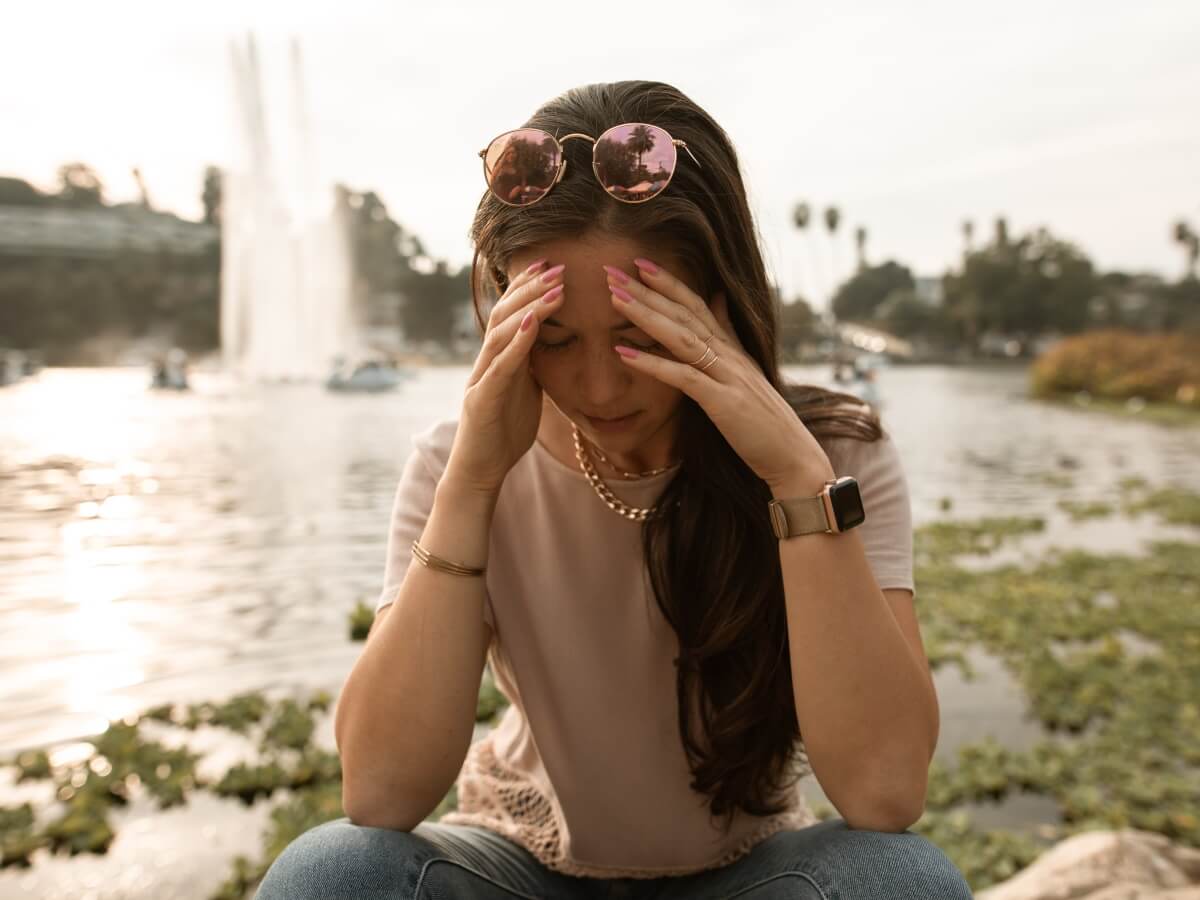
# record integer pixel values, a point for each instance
(1118, 365)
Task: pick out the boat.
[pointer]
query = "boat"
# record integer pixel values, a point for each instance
(170, 372)
(368, 376)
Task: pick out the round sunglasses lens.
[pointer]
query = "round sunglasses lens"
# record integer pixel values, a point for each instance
(521, 166)
(634, 162)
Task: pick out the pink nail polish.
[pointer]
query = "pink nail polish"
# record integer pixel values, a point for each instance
(551, 295)
(527, 321)
(621, 294)
(534, 266)
(647, 266)
(617, 275)
(626, 351)
(550, 274)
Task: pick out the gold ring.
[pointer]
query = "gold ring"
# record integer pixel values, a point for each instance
(711, 361)
(707, 350)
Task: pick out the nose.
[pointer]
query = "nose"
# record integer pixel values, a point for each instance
(602, 378)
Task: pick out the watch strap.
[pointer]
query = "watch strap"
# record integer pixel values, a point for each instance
(798, 515)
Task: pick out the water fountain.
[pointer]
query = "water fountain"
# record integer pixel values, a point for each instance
(287, 307)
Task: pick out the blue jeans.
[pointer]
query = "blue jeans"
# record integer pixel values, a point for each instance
(826, 861)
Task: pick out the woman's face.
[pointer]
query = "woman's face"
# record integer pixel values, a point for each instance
(573, 357)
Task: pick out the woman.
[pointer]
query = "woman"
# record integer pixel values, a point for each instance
(600, 524)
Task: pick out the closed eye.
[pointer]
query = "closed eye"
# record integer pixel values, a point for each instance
(562, 345)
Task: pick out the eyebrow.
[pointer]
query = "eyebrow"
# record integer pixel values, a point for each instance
(624, 326)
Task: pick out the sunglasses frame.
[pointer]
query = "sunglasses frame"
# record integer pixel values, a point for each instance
(562, 166)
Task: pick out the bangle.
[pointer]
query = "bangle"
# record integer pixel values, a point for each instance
(434, 562)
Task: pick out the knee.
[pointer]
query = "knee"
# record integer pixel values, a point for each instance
(341, 859)
(903, 865)
(847, 862)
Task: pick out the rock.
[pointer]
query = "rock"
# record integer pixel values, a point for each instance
(1107, 865)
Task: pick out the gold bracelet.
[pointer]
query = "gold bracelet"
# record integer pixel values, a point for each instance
(434, 562)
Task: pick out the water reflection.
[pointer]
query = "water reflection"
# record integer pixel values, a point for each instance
(186, 547)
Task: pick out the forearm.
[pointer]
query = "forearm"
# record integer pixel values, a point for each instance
(866, 708)
(405, 716)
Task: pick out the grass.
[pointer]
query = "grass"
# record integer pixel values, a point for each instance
(1105, 647)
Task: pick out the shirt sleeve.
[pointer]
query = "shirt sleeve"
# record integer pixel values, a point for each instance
(887, 531)
(411, 507)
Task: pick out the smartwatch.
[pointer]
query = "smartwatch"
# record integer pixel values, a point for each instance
(836, 509)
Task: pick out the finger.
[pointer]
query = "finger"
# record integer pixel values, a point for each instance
(681, 340)
(665, 286)
(515, 356)
(527, 286)
(702, 388)
(501, 336)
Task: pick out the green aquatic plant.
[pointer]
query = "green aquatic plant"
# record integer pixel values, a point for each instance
(940, 540)
(362, 617)
(18, 840)
(1079, 510)
(238, 713)
(290, 725)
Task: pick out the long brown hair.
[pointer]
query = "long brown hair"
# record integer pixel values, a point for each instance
(712, 557)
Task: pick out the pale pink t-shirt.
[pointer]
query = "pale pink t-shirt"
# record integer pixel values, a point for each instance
(586, 769)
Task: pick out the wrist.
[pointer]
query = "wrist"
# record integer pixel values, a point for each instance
(463, 493)
(805, 482)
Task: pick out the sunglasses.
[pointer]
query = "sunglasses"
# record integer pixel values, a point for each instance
(634, 162)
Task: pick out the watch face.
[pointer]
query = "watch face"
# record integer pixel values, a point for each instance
(847, 504)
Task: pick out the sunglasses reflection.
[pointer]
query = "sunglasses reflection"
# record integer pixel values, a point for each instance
(632, 162)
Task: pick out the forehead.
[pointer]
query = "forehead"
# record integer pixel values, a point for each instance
(586, 305)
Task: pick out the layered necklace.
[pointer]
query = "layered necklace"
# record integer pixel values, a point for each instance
(633, 513)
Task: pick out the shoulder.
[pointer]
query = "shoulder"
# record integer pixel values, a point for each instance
(862, 458)
(433, 443)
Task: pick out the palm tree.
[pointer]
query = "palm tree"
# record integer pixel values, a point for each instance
(860, 245)
(832, 217)
(801, 218)
(968, 233)
(641, 140)
(1190, 242)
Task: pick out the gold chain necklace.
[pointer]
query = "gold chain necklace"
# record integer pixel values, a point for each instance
(627, 475)
(633, 513)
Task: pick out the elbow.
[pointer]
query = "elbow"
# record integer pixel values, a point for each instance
(890, 816)
(369, 812)
(890, 810)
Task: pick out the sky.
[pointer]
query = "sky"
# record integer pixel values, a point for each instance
(1083, 117)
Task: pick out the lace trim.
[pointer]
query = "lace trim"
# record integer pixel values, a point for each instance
(493, 796)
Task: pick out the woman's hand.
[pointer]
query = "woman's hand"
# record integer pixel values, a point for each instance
(502, 405)
(756, 421)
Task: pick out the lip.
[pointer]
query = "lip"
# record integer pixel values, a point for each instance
(613, 424)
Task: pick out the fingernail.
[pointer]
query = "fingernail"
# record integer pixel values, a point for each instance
(551, 295)
(621, 294)
(550, 274)
(617, 274)
(645, 265)
(626, 351)
(533, 267)
(527, 321)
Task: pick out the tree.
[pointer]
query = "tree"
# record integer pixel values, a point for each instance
(79, 185)
(1030, 286)
(860, 246)
(906, 315)
(797, 326)
(832, 217)
(641, 140)
(858, 299)
(15, 192)
(211, 195)
(1189, 240)
(802, 216)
